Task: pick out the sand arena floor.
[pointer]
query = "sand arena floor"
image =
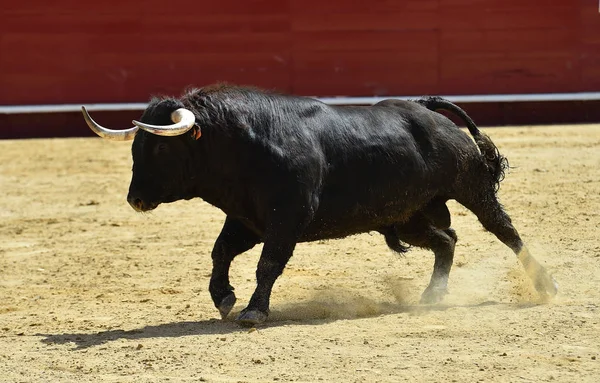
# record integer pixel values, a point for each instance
(92, 291)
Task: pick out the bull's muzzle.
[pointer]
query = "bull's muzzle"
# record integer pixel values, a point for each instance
(139, 204)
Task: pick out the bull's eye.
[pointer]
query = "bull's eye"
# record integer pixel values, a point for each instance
(161, 148)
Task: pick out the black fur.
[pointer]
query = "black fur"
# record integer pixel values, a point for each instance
(288, 169)
(497, 163)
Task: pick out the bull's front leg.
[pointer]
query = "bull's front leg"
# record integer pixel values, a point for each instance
(272, 261)
(235, 238)
(284, 228)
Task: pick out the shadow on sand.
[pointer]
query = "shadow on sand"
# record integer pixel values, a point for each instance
(303, 313)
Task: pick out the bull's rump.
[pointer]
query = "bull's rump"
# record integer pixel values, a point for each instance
(381, 165)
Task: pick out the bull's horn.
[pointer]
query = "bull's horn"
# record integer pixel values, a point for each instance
(183, 120)
(109, 134)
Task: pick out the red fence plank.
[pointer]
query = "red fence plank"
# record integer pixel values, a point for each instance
(390, 21)
(517, 73)
(353, 73)
(360, 6)
(507, 15)
(509, 41)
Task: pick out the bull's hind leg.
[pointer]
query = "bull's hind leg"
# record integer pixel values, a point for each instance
(495, 220)
(419, 231)
(234, 239)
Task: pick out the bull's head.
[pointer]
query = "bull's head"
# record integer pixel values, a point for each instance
(161, 152)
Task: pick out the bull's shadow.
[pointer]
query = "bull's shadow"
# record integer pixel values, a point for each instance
(306, 313)
(166, 330)
(302, 313)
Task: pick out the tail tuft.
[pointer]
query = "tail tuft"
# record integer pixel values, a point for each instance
(496, 163)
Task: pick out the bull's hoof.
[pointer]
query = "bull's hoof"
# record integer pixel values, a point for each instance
(545, 284)
(250, 318)
(226, 305)
(433, 295)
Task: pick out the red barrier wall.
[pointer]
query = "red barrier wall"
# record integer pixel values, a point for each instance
(61, 51)
(117, 51)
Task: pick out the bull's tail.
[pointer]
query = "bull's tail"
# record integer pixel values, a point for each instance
(496, 162)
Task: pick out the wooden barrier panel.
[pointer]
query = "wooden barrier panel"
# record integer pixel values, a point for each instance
(60, 52)
(114, 51)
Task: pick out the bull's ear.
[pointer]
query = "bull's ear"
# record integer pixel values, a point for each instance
(196, 132)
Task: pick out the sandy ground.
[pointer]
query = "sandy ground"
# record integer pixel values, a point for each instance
(92, 291)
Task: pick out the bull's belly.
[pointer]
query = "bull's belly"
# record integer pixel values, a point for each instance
(362, 198)
(339, 223)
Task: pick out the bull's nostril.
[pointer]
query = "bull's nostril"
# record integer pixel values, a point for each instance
(136, 203)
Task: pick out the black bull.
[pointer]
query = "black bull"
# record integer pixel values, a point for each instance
(288, 169)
